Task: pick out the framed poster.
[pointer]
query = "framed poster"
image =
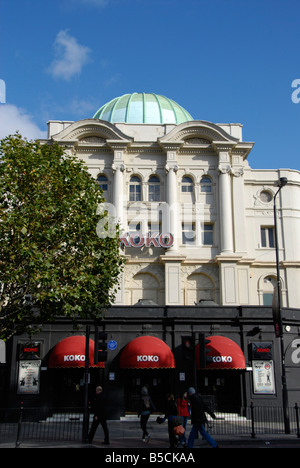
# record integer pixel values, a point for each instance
(263, 377)
(29, 377)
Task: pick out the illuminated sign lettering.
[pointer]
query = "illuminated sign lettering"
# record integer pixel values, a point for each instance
(222, 359)
(137, 239)
(30, 350)
(262, 350)
(147, 358)
(74, 357)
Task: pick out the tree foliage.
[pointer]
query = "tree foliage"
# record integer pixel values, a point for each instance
(52, 260)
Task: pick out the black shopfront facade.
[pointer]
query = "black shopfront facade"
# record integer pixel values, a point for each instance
(145, 347)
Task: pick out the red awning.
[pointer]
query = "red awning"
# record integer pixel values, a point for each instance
(225, 353)
(70, 352)
(147, 352)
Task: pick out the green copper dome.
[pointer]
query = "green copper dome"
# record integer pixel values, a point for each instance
(146, 108)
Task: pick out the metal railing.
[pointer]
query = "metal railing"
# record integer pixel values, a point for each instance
(34, 425)
(255, 420)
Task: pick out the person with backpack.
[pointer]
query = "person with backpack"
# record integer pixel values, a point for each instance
(183, 410)
(170, 415)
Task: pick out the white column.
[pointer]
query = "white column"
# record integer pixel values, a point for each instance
(118, 200)
(227, 259)
(118, 168)
(120, 211)
(238, 204)
(225, 200)
(173, 206)
(172, 258)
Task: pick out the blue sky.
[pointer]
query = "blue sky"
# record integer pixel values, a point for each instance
(222, 60)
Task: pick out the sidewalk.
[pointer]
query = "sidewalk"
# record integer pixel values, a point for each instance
(126, 434)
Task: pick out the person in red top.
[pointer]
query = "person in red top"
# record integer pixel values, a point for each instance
(183, 410)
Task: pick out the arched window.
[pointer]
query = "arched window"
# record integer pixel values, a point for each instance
(135, 189)
(269, 288)
(206, 184)
(199, 286)
(103, 184)
(154, 188)
(187, 184)
(144, 286)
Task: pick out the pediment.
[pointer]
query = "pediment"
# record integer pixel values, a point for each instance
(91, 132)
(197, 132)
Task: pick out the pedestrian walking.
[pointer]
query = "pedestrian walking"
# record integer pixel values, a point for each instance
(170, 415)
(183, 410)
(146, 406)
(100, 416)
(198, 416)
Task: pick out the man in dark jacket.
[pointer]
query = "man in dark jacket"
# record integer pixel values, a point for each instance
(198, 419)
(99, 407)
(170, 414)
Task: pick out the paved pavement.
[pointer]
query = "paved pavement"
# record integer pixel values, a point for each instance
(125, 436)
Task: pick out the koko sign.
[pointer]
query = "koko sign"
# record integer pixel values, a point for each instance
(30, 350)
(74, 358)
(137, 239)
(262, 350)
(147, 358)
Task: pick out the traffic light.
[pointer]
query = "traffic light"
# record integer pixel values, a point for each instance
(204, 359)
(188, 347)
(100, 353)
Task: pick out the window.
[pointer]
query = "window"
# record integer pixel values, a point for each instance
(135, 189)
(267, 236)
(103, 183)
(188, 233)
(134, 227)
(208, 234)
(134, 231)
(187, 184)
(266, 196)
(268, 288)
(154, 189)
(267, 299)
(154, 228)
(206, 185)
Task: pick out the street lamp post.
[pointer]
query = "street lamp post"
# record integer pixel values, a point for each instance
(279, 332)
(85, 426)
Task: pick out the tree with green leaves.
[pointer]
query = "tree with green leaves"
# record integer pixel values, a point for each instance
(53, 260)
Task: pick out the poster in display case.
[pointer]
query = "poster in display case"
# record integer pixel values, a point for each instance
(29, 377)
(263, 377)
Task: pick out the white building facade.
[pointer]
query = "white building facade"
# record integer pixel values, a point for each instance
(197, 221)
(197, 230)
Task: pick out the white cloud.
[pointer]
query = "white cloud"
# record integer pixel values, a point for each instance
(70, 57)
(14, 119)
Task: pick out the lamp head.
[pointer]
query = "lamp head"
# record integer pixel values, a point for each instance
(282, 182)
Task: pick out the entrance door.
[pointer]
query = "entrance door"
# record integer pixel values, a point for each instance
(68, 389)
(222, 388)
(158, 382)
